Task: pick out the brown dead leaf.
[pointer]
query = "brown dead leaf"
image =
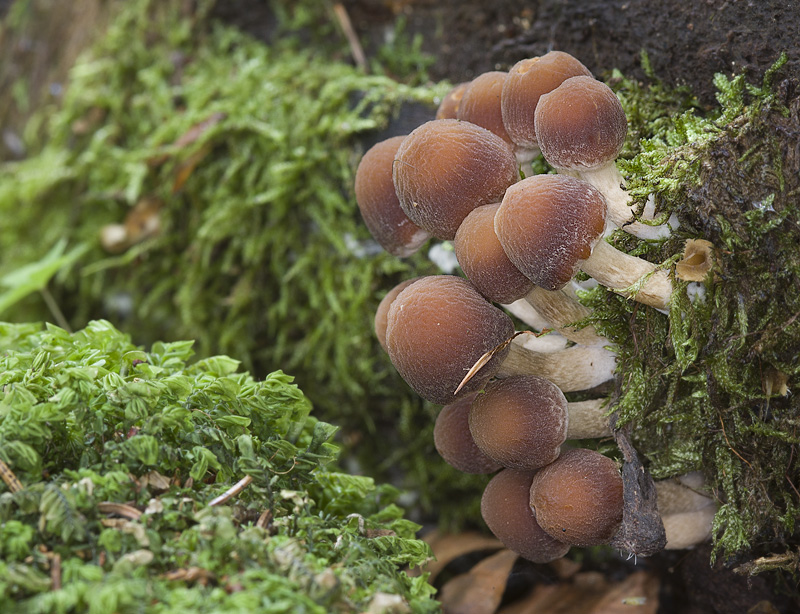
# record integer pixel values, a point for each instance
(636, 594)
(185, 168)
(370, 533)
(449, 546)
(194, 133)
(191, 136)
(590, 592)
(481, 589)
(190, 575)
(142, 222)
(156, 480)
(120, 509)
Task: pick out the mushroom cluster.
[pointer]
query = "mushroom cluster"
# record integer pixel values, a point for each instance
(519, 241)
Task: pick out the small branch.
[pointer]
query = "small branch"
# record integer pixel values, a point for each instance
(728, 441)
(14, 485)
(479, 364)
(351, 36)
(55, 572)
(232, 491)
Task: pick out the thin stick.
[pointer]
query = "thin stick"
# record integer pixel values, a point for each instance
(55, 309)
(351, 36)
(14, 485)
(232, 491)
(55, 572)
(488, 355)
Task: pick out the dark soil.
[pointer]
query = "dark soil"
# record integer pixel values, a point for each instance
(687, 42)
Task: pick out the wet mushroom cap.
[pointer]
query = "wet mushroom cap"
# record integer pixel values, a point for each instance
(480, 103)
(520, 421)
(453, 440)
(526, 82)
(484, 261)
(580, 125)
(382, 313)
(438, 328)
(506, 510)
(378, 203)
(445, 168)
(448, 107)
(548, 224)
(578, 498)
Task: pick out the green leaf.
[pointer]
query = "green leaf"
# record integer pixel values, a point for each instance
(34, 277)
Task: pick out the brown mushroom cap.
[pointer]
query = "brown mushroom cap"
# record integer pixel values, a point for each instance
(453, 440)
(480, 103)
(484, 261)
(448, 107)
(506, 510)
(520, 421)
(580, 125)
(548, 224)
(578, 498)
(445, 168)
(382, 313)
(526, 82)
(378, 203)
(438, 327)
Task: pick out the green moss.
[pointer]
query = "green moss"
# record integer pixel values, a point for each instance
(694, 381)
(121, 452)
(262, 253)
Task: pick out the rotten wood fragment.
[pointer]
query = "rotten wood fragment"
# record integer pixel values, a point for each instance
(642, 531)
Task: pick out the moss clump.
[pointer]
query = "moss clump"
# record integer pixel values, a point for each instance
(121, 452)
(701, 385)
(248, 153)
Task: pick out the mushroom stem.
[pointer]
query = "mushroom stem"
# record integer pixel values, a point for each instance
(576, 368)
(526, 312)
(561, 311)
(609, 181)
(628, 275)
(686, 511)
(587, 419)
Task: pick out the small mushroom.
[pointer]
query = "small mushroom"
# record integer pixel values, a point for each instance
(526, 82)
(506, 511)
(521, 422)
(378, 203)
(437, 328)
(448, 107)
(581, 127)
(480, 103)
(698, 259)
(578, 498)
(440, 327)
(552, 225)
(483, 260)
(445, 168)
(486, 265)
(454, 442)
